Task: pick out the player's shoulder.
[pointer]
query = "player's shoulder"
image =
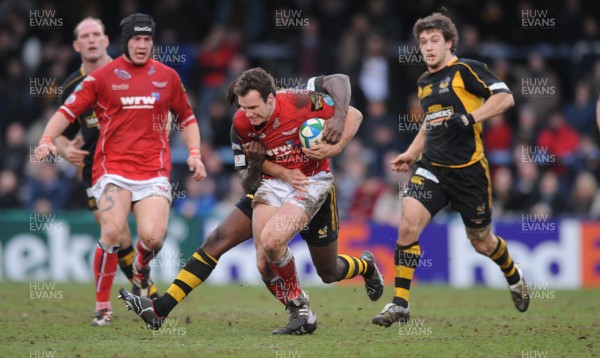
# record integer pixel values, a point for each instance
(423, 77)
(160, 67)
(469, 64)
(74, 79)
(240, 121)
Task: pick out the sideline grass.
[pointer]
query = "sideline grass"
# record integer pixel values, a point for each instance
(237, 321)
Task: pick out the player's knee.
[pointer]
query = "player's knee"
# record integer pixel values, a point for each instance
(481, 240)
(271, 244)
(152, 237)
(407, 233)
(327, 276)
(111, 233)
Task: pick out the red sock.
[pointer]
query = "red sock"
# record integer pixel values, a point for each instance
(286, 269)
(144, 256)
(276, 287)
(105, 267)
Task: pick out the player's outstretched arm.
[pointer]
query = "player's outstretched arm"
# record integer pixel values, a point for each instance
(495, 105)
(338, 87)
(191, 138)
(55, 126)
(325, 151)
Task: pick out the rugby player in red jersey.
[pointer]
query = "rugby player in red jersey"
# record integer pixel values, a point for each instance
(282, 208)
(320, 234)
(132, 162)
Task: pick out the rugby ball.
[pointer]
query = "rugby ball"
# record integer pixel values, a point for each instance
(311, 132)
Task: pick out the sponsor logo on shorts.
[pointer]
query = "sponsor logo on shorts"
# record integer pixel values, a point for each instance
(427, 174)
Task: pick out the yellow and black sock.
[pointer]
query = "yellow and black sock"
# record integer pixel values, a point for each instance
(354, 266)
(406, 259)
(126, 261)
(195, 271)
(502, 258)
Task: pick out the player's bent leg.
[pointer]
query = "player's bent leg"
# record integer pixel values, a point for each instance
(496, 249)
(277, 232)
(152, 216)
(415, 216)
(233, 230)
(113, 204)
(332, 267)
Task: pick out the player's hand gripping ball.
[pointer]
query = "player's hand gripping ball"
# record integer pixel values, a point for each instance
(311, 132)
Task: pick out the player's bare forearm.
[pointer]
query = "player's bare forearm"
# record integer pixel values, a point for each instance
(418, 144)
(294, 177)
(325, 150)
(191, 136)
(352, 123)
(493, 106)
(61, 143)
(274, 170)
(338, 87)
(250, 178)
(56, 125)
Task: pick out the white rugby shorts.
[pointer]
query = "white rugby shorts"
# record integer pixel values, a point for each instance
(276, 192)
(140, 189)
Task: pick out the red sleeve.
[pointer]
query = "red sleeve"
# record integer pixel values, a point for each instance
(180, 104)
(80, 100)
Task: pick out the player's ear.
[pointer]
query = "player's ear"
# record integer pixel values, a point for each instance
(76, 46)
(105, 41)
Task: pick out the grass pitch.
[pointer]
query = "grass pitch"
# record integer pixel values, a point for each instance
(54, 321)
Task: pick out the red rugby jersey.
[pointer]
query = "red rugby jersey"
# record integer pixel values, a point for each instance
(280, 134)
(132, 104)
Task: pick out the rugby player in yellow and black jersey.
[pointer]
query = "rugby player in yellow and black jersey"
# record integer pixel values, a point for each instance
(457, 95)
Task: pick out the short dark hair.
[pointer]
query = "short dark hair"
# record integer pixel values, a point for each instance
(252, 79)
(440, 22)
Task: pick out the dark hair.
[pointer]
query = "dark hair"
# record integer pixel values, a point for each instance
(440, 22)
(252, 79)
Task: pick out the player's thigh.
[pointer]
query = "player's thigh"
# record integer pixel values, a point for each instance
(261, 215)
(286, 222)
(233, 230)
(470, 193)
(324, 226)
(114, 205)
(152, 216)
(422, 198)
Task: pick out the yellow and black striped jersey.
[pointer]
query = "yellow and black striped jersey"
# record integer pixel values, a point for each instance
(460, 87)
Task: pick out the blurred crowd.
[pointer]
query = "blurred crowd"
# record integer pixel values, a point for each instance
(544, 154)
